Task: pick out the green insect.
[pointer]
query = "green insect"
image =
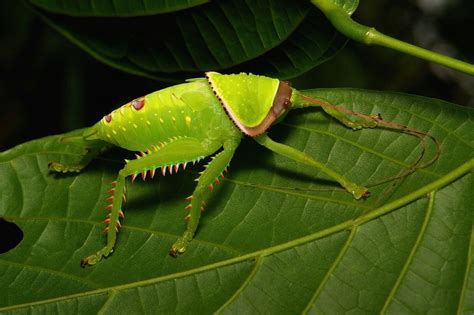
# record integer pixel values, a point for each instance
(190, 121)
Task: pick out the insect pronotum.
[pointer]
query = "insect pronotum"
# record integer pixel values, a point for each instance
(187, 122)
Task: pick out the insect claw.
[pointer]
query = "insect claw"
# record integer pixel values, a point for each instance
(202, 209)
(144, 175)
(133, 177)
(124, 198)
(111, 190)
(142, 153)
(184, 165)
(176, 168)
(222, 176)
(109, 207)
(189, 198)
(106, 221)
(190, 206)
(126, 161)
(110, 199)
(121, 214)
(137, 156)
(152, 173)
(217, 181)
(163, 170)
(114, 183)
(211, 188)
(116, 229)
(170, 169)
(106, 230)
(118, 224)
(108, 215)
(188, 217)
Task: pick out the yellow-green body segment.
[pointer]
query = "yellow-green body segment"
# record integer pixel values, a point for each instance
(188, 122)
(188, 110)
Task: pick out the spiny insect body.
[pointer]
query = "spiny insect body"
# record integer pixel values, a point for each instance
(187, 122)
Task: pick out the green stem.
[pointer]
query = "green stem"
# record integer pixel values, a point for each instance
(343, 22)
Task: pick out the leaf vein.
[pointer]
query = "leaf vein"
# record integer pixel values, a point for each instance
(412, 254)
(244, 284)
(330, 271)
(467, 272)
(50, 271)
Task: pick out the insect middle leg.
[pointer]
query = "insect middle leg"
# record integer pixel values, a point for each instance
(91, 148)
(356, 190)
(177, 151)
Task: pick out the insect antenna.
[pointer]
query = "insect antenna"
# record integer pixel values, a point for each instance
(379, 121)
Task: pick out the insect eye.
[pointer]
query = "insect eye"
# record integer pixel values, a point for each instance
(138, 103)
(108, 118)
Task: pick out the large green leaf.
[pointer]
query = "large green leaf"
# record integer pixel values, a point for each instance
(273, 37)
(262, 247)
(115, 7)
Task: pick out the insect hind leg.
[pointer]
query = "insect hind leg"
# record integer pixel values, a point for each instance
(166, 157)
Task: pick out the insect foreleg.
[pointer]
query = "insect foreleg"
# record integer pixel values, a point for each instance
(213, 171)
(356, 190)
(345, 116)
(167, 157)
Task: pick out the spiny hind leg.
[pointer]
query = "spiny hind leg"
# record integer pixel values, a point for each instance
(213, 171)
(167, 157)
(91, 148)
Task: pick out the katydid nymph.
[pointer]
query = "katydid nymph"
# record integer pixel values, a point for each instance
(193, 120)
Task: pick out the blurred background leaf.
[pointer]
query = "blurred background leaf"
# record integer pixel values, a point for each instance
(115, 7)
(50, 86)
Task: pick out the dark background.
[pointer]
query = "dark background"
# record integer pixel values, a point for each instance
(49, 86)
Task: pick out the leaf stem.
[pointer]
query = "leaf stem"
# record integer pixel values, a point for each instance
(343, 22)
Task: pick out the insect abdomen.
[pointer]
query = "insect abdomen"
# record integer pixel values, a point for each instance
(184, 110)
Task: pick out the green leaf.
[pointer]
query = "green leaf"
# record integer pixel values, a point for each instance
(272, 37)
(312, 43)
(110, 8)
(262, 247)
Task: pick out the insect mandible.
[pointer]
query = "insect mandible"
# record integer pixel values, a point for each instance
(190, 121)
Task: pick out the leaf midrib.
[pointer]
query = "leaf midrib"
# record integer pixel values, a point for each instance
(124, 227)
